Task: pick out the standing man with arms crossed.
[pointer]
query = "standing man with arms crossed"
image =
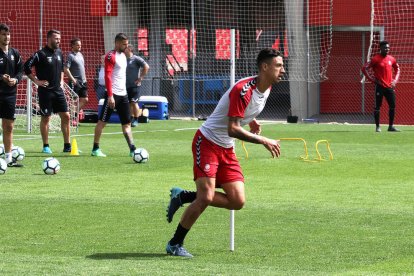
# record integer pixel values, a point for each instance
(215, 163)
(75, 71)
(136, 70)
(116, 98)
(11, 72)
(382, 65)
(49, 78)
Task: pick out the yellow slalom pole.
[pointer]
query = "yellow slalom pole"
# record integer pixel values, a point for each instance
(245, 150)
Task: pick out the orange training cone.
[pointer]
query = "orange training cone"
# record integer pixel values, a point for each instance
(74, 150)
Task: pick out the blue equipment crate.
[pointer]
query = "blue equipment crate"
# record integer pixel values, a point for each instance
(156, 105)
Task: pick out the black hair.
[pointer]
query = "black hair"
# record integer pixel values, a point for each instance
(51, 32)
(74, 40)
(4, 27)
(120, 37)
(383, 43)
(267, 54)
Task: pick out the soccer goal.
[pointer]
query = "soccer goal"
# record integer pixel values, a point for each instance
(28, 111)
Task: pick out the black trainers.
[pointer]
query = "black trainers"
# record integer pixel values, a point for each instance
(68, 149)
(393, 129)
(175, 203)
(15, 164)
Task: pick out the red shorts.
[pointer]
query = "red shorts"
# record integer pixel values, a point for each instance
(214, 161)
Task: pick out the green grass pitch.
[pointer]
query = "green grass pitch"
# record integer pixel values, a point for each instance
(106, 216)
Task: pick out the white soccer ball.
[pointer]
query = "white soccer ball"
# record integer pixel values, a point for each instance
(2, 151)
(140, 155)
(51, 166)
(18, 153)
(3, 166)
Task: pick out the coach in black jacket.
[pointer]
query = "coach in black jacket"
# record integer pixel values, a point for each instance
(49, 72)
(11, 72)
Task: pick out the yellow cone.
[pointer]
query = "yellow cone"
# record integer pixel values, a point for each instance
(74, 150)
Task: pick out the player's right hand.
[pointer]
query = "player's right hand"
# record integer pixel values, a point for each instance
(273, 146)
(111, 102)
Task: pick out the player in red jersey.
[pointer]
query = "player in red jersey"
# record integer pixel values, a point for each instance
(215, 163)
(382, 66)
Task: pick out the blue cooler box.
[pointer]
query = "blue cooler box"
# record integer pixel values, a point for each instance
(114, 116)
(156, 105)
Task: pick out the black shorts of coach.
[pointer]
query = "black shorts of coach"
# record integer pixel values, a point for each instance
(81, 89)
(7, 106)
(121, 107)
(133, 94)
(52, 101)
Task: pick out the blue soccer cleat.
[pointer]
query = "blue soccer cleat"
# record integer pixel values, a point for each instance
(46, 150)
(177, 250)
(98, 153)
(175, 203)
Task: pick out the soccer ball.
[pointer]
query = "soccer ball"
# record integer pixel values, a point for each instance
(51, 166)
(2, 150)
(140, 155)
(17, 153)
(3, 166)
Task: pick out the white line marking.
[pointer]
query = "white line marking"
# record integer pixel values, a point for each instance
(35, 137)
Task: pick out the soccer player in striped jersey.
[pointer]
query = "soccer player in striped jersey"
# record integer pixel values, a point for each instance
(215, 163)
(116, 98)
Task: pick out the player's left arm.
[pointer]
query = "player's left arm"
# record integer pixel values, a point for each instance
(62, 75)
(19, 68)
(397, 71)
(62, 71)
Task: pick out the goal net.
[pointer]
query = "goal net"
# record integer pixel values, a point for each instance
(395, 20)
(28, 110)
(185, 42)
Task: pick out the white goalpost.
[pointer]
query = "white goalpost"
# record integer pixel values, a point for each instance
(28, 111)
(232, 81)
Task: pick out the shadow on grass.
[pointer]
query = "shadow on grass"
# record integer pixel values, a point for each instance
(120, 256)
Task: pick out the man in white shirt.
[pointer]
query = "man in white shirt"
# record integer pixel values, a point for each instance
(215, 163)
(116, 98)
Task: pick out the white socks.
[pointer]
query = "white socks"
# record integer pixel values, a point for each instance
(8, 157)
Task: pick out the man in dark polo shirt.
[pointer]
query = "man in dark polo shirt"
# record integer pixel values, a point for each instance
(48, 63)
(11, 72)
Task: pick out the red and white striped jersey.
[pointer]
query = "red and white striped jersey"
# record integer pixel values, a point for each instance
(242, 100)
(115, 73)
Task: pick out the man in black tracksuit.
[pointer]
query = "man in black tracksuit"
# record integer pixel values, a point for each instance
(11, 72)
(49, 72)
